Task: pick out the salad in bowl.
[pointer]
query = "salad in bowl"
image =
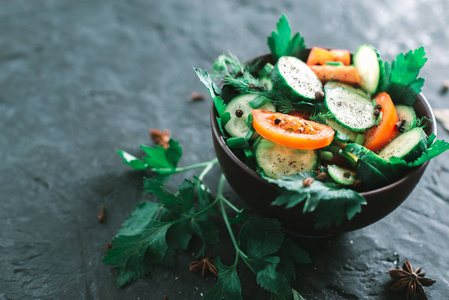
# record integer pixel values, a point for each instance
(324, 132)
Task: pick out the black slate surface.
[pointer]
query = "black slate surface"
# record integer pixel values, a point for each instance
(79, 79)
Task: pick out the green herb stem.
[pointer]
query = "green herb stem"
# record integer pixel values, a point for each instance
(183, 169)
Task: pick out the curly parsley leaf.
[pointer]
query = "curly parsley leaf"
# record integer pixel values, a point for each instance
(434, 148)
(331, 203)
(401, 77)
(282, 44)
(228, 284)
(157, 159)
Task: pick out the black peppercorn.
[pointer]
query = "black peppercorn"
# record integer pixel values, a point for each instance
(239, 113)
(277, 121)
(347, 174)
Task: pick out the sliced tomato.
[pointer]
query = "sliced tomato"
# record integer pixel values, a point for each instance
(291, 131)
(378, 136)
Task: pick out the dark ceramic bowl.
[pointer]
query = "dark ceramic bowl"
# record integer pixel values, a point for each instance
(259, 194)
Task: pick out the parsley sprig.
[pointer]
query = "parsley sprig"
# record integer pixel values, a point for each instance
(153, 232)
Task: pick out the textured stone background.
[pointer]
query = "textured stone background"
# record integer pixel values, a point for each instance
(79, 79)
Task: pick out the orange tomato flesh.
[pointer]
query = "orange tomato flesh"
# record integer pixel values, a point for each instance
(377, 137)
(291, 131)
(320, 56)
(348, 74)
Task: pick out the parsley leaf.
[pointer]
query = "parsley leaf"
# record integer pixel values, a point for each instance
(130, 250)
(140, 218)
(330, 203)
(290, 254)
(214, 92)
(207, 231)
(281, 43)
(168, 199)
(401, 77)
(157, 159)
(434, 148)
(228, 284)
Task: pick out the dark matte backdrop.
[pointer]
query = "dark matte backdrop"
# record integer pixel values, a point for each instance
(79, 79)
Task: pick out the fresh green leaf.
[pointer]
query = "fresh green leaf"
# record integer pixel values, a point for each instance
(401, 77)
(228, 284)
(187, 193)
(297, 296)
(168, 199)
(141, 218)
(208, 82)
(273, 281)
(129, 251)
(330, 202)
(242, 216)
(281, 43)
(260, 237)
(127, 275)
(207, 231)
(290, 254)
(434, 148)
(131, 160)
(158, 159)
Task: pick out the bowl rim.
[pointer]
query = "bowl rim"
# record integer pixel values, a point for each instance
(255, 175)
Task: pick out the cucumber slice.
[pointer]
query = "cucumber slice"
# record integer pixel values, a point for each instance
(236, 126)
(276, 160)
(407, 146)
(371, 68)
(334, 125)
(294, 78)
(408, 114)
(340, 175)
(390, 171)
(350, 109)
(370, 177)
(338, 84)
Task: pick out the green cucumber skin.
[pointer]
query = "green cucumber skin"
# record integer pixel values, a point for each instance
(236, 127)
(328, 99)
(414, 153)
(336, 173)
(390, 171)
(280, 84)
(334, 125)
(281, 163)
(408, 114)
(371, 177)
(381, 76)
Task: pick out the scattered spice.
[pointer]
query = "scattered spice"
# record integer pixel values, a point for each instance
(277, 121)
(256, 87)
(197, 97)
(204, 265)
(160, 138)
(322, 177)
(347, 174)
(378, 106)
(412, 281)
(239, 113)
(101, 217)
(445, 87)
(307, 182)
(165, 297)
(319, 96)
(108, 246)
(376, 112)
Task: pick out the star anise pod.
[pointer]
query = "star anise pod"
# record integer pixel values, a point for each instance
(412, 281)
(160, 138)
(204, 265)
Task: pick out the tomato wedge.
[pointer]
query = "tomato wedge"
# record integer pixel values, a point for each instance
(291, 131)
